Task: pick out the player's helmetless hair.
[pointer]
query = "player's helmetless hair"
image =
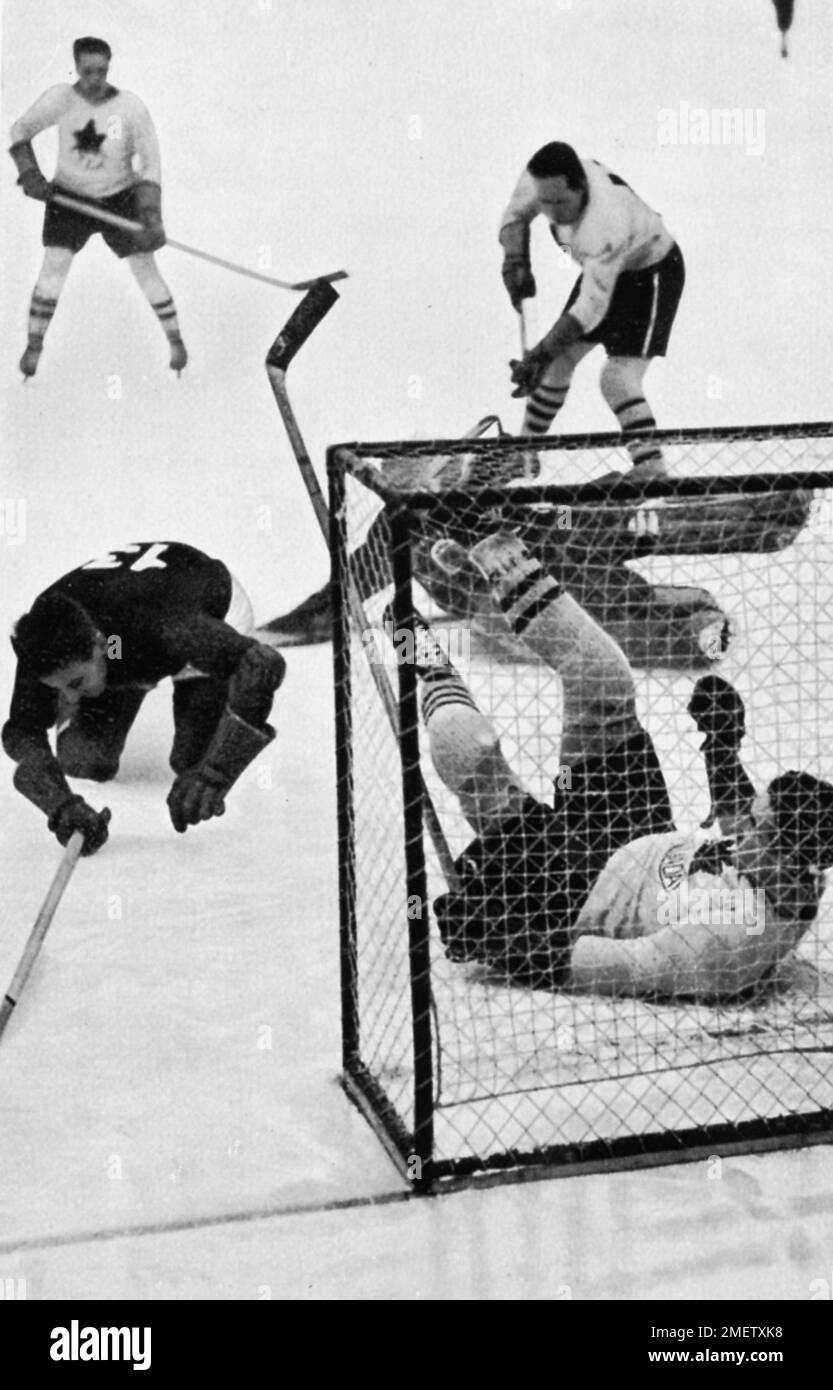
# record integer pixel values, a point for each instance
(556, 160)
(54, 633)
(803, 810)
(91, 45)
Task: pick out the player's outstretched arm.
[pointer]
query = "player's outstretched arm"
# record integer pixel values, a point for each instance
(718, 711)
(199, 793)
(39, 778)
(706, 961)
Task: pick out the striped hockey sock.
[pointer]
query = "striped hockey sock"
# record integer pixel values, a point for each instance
(41, 310)
(542, 408)
(519, 583)
(443, 688)
(165, 311)
(635, 417)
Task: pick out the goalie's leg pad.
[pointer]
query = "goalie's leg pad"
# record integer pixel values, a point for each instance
(655, 625)
(724, 524)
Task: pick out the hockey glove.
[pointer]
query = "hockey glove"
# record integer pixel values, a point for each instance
(39, 778)
(527, 372)
(30, 178)
(200, 793)
(717, 710)
(74, 815)
(148, 202)
(519, 280)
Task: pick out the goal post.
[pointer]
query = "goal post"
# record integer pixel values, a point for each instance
(464, 1069)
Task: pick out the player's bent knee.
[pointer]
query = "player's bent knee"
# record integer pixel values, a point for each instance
(598, 730)
(93, 768)
(82, 757)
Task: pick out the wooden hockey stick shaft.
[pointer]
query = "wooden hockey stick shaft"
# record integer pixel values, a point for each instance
(41, 927)
(523, 321)
(112, 219)
(309, 313)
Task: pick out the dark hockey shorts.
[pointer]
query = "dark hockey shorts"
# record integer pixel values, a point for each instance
(524, 884)
(72, 230)
(642, 309)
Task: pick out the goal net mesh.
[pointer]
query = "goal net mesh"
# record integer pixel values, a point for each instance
(727, 566)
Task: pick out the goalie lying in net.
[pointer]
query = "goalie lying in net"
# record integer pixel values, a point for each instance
(597, 891)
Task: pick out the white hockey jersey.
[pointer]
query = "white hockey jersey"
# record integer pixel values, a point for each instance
(680, 919)
(615, 232)
(103, 147)
(675, 878)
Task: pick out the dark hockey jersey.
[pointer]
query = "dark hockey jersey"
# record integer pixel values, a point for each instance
(159, 606)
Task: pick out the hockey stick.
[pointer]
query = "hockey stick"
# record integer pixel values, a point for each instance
(302, 323)
(523, 321)
(113, 220)
(41, 927)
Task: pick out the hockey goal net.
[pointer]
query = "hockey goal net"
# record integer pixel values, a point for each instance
(727, 565)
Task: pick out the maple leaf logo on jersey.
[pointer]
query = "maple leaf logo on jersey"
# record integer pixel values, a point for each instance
(88, 140)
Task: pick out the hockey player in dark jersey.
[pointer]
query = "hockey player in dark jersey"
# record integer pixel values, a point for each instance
(103, 134)
(92, 646)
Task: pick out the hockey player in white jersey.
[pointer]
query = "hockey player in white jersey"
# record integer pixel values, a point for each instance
(107, 153)
(625, 299)
(601, 891)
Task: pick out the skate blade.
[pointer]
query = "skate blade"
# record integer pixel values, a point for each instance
(279, 639)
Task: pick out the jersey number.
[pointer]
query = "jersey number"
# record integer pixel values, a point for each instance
(147, 558)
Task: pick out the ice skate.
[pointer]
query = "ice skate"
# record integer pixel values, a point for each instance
(30, 359)
(307, 624)
(503, 556)
(179, 355)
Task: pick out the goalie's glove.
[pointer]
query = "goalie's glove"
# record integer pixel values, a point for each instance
(200, 792)
(148, 203)
(718, 711)
(518, 279)
(30, 178)
(39, 778)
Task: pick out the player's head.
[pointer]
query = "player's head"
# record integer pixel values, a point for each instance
(561, 180)
(92, 62)
(58, 642)
(794, 819)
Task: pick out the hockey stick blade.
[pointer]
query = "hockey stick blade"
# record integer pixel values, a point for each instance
(316, 303)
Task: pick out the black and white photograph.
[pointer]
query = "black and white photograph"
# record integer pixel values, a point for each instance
(417, 681)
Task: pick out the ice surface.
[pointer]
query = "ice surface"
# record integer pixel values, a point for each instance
(173, 1059)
